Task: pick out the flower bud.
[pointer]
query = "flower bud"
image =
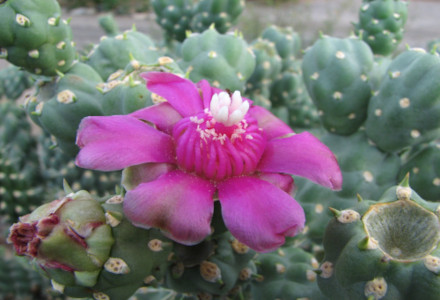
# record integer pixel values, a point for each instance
(68, 238)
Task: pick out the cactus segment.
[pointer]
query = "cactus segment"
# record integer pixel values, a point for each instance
(30, 34)
(59, 106)
(381, 24)
(405, 111)
(222, 59)
(116, 52)
(335, 73)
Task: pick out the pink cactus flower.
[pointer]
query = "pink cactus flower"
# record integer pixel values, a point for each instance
(202, 145)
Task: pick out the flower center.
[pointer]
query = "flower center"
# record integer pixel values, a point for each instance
(228, 110)
(221, 142)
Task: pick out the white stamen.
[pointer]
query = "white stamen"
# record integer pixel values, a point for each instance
(228, 110)
(222, 115)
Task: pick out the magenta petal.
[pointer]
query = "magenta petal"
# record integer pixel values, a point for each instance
(135, 175)
(303, 155)
(258, 213)
(162, 115)
(272, 126)
(207, 92)
(115, 142)
(282, 181)
(181, 93)
(178, 203)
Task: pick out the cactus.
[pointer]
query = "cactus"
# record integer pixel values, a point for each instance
(109, 25)
(423, 165)
(34, 36)
(267, 68)
(378, 72)
(222, 59)
(383, 250)
(57, 166)
(291, 102)
(405, 111)
(60, 104)
(288, 273)
(210, 268)
(114, 53)
(20, 177)
(13, 82)
(366, 171)
(381, 24)
(434, 45)
(19, 281)
(287, 43)
(67, 238)
(174, 16)
(222, 13)
(88, 248)
(336, 76)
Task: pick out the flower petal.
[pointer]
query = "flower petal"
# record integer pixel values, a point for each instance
(303, 155)
(181, 93)
(258, 213)
(282, 181)
(178, 203)
(114, 142)
(135, 175)
(162, 115)
(273, 126)
(207, 92)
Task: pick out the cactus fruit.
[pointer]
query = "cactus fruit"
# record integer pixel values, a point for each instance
(87, 247)
(287, 42)
(174, 16)
(423, 165)
(223, 59)
(13, 82)
(115, 52)
(336, 72)
(288, 273)
(406, 110)
(222, 13)
(61, 104)
(383, 250)
(381, 24)
(68, 238)
(34, 37)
